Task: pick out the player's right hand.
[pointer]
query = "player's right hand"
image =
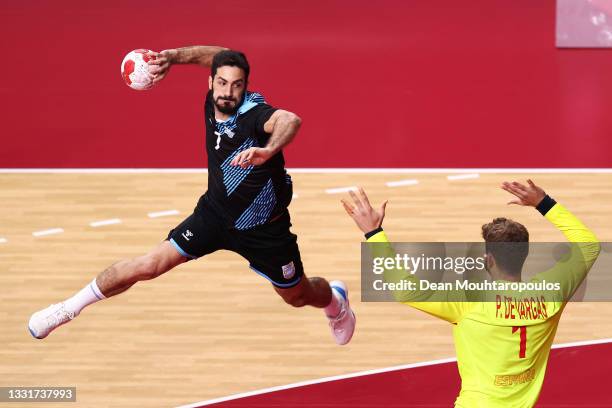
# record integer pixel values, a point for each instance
(367, 218)
(530, 195)
(160, 65)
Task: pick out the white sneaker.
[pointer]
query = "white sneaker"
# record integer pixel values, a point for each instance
(343, 325)
(45, 321)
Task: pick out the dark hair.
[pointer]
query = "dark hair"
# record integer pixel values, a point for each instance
(230, 58)
(508, 242)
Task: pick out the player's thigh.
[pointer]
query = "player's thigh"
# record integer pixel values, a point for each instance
(273, 252)
(198, 235)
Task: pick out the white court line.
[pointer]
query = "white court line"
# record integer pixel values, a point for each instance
(340, 190)
(47, 232)
(317, 381)
(409, 182)
(3, 240)
(158, 214)
(335, 170)
(420, 170)
(295, 195)
(582, 343)
(102, 171)
(112, 221)
(463, 176)
(364, 373)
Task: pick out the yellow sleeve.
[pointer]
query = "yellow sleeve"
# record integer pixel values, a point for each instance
(585, 248)
(426, 300)
(573, 229)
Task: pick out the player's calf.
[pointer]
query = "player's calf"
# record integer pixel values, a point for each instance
(295, 299)
(312, 292)
(114, 280)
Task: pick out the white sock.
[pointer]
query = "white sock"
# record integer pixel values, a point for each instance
(333, 309)
(86, 296)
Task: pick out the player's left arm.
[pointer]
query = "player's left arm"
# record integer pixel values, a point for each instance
(282, 127)
(585, 247)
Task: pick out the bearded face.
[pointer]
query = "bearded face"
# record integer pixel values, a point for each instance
(228, 88)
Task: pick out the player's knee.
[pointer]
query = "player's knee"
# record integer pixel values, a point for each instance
(146, 267)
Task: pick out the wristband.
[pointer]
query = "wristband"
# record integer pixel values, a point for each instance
(373, 232)
(546, 204)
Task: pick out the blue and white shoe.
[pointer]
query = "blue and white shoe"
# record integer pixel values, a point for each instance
(343, 325)
(45, 321)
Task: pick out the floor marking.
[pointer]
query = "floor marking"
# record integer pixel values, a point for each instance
(409, 182)
(112, 221)
(582, 343)
(48, 232)
(365, 373)
(318, 381)
(158, 214)
(463, 176)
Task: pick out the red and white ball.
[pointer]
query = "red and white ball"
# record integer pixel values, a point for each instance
(135, 70)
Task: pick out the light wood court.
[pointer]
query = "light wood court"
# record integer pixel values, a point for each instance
(212, 327)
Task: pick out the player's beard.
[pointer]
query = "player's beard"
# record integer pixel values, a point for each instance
(226, 109)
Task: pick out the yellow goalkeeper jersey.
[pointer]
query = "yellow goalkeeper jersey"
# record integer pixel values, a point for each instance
(503, 347)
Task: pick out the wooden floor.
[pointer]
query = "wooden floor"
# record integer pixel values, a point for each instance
(212, 327)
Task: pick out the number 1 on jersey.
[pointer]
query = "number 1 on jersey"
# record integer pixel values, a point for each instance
(218, 140)
(523, 345)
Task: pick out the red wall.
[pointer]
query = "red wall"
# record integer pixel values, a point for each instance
(422, 83)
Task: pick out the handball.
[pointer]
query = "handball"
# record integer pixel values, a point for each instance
(135, 70)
